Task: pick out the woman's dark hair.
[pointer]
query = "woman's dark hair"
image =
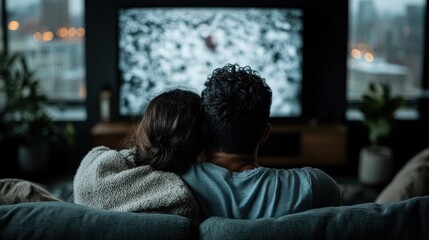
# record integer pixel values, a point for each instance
(169, 136)
(236, 103)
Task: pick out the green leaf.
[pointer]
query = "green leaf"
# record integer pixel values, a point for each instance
(378, 108)
(24, 112)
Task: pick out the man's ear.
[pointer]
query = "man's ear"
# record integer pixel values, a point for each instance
(266, 133)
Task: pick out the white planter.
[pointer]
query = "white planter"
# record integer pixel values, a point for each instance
(375, 165)
(33, 158)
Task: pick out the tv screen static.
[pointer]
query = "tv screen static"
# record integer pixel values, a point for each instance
(167, 48)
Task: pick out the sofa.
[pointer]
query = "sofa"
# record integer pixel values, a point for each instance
(401, 211)
(407, 219)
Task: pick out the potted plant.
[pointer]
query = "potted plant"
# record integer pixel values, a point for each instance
(23, 114)
(378, 108)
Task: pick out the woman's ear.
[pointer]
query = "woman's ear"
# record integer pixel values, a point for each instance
(266, 133)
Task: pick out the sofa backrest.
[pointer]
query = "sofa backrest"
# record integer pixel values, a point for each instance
(395, 220)
(61, 220)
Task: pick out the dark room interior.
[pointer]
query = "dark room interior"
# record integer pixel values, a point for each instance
(326, 133)
(216, 119)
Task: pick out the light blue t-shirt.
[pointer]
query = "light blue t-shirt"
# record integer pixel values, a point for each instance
(260, 192)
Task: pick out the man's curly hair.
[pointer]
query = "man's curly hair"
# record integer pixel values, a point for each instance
(236, 103)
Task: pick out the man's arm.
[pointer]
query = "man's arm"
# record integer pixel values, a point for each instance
(325, 190)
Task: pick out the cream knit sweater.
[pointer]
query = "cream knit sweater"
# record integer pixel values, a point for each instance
(109, 179)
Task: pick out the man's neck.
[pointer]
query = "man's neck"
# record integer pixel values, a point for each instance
(233, 162)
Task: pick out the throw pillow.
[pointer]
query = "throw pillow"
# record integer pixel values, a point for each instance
(411, 181)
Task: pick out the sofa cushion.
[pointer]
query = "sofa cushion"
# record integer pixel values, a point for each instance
(61, 220)
(411, 181)
(396, 220)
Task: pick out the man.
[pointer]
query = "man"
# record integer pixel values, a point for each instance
(236, 106)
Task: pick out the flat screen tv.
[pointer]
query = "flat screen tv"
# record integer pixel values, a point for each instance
(162, 48)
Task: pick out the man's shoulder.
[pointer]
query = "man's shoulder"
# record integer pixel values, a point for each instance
(315, 173)
(309, 173)
(206, 169)
(207, 166)
(303, 170)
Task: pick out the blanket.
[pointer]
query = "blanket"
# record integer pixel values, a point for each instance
(109, 179)
(17, 190)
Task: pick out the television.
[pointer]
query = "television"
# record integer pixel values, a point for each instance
(161, 48)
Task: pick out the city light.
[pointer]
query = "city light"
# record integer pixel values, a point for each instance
(72, 32)
(80, 32)
(82, 91)
(369, 57)
(37, 36)
(47, 36)
(62, 32)
(13, 25)
(356, 53)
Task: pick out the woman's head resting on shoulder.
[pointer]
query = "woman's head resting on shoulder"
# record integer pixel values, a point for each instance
(169, 136)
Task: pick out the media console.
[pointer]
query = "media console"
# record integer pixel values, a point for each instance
(292, 145)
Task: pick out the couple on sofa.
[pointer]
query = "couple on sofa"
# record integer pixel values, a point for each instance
(158, 171)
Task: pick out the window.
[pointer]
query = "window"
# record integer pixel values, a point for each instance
(50, 33)
(386, 43)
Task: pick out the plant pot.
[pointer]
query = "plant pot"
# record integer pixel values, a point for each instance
(33, 158)
(375, 165)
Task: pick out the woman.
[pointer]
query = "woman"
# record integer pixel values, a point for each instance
(143, 177)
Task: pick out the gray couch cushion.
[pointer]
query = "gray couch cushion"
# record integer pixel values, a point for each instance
(60, 220)
(395, 220)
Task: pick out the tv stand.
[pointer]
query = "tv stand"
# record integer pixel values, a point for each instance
(305, 145)
(289, 145)
(110, 134)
